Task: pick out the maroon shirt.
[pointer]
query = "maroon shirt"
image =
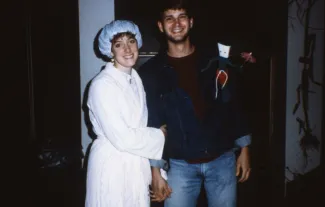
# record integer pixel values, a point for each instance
(186, 70)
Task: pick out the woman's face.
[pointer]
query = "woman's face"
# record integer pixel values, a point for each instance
(125, 52)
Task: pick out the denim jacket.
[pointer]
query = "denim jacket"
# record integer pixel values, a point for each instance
(225, 127)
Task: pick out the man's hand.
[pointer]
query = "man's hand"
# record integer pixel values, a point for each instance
(159, 187)
(243, 165)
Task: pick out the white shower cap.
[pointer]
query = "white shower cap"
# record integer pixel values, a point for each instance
(113, 28)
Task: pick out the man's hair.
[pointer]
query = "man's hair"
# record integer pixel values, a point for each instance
(174, 5)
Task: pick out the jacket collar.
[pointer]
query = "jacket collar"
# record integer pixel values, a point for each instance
(202, 57)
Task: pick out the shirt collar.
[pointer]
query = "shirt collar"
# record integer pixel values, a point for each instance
(122, 77)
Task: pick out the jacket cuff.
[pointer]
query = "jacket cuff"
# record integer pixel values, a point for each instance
(243, 141)
(159, 164)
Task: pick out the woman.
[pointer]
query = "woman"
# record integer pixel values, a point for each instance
(118, 168)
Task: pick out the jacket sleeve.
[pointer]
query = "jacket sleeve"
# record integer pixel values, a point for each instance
(146, 142)
(163, 164)
(155, 108)
(243, 141)
(154, 104)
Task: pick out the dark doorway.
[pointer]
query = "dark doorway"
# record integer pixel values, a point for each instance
(46, 60)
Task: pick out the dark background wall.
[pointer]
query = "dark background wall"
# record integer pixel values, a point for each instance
(41, 112)
(247, 23)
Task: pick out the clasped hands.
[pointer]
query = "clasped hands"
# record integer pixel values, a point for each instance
(160, 189)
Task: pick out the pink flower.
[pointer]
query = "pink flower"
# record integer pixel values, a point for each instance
(248, 57)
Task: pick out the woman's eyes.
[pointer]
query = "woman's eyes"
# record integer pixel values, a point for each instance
(118, 45)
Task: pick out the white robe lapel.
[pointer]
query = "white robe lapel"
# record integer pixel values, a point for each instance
(142, 109)
(131, 103)
(132, 96)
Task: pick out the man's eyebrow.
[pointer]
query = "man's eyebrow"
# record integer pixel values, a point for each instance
(168, 16)
(178, 15)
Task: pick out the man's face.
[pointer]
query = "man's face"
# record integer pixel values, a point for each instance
(176, 25)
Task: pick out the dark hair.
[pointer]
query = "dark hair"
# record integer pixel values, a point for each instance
(122, 34)
(165, 5)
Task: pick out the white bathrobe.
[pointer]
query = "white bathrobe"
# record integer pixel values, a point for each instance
(118, 167)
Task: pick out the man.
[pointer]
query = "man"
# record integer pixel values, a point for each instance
(203, 130)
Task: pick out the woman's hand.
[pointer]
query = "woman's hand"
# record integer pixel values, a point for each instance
(163, 128)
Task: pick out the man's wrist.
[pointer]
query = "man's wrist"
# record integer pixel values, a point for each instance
(245, 149)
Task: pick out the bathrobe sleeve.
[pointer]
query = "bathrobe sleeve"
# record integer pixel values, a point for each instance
(146, 142)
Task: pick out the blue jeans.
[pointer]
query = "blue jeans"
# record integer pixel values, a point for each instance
(219, 177)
